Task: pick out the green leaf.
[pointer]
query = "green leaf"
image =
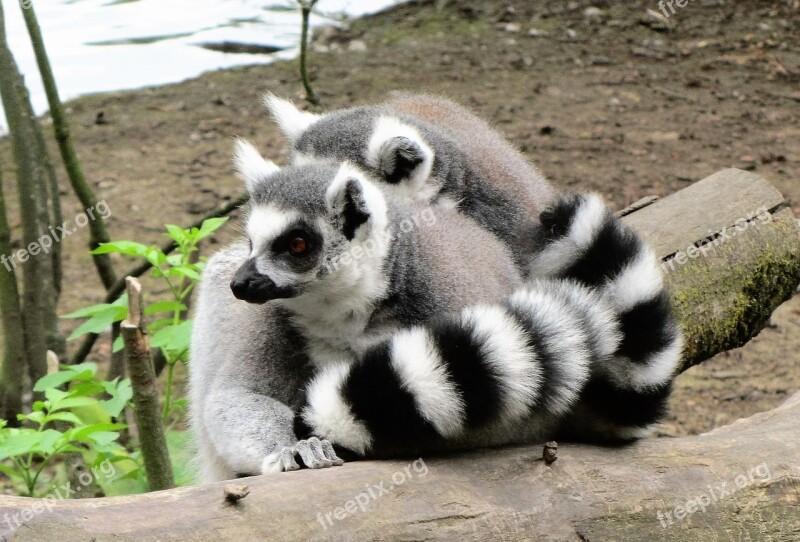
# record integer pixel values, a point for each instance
(86, 389)
(101, 317)
(36, 417)
(175, 338)
(82, 371)
(55, 396)
(83, 434)
(20, 442)
(210, 226)
(175, 259)
(72, 402)
(65, 417)
(159, 323)
(164, 306)
(100, 321)
(184, 271)
(155, 257)
(118, 345)
(177, 233)
(120, 393)
(123, 247)
(87, 312)
(48, 443)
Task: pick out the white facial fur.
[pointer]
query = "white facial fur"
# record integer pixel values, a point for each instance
(289, 118)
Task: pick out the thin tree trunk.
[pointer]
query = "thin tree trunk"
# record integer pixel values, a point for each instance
(39, 298)
(97, 229)
(13, 368)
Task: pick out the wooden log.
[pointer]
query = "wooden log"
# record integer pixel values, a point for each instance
(731, 251)
(738, 482)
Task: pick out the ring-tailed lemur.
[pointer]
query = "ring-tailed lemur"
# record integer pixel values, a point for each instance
(430, 149)
(338, 281)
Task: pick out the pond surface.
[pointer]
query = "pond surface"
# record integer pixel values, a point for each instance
(106, 45)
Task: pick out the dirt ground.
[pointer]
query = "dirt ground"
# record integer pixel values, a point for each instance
(600, 96)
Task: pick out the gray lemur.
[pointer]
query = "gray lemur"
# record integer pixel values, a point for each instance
(329, 277)
(429, 149)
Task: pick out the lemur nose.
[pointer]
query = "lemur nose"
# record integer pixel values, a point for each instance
(250, 285)
(254, 287)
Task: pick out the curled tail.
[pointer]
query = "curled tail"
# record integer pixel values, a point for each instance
(488, 367)
(584, 241)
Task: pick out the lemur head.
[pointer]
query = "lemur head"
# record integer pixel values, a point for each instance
(387, 146)
(315, 230)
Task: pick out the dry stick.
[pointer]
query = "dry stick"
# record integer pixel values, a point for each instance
(118, 287)
(12, 372)
(305, 9)
(145, 393)
(97, 229)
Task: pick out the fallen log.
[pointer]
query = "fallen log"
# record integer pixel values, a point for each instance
(731, 249)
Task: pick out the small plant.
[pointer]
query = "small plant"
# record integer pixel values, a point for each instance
(75, 420)
(171, 331)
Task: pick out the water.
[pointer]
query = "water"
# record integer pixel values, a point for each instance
(107, 45)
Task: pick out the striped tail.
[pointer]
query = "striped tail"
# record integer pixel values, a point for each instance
(586, 242)
(488, 367)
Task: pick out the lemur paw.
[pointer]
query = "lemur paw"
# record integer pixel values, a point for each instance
(313, 453)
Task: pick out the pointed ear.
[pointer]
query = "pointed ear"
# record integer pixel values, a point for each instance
(252, 167)
(399, 152)
(355, 204)
(289, 118)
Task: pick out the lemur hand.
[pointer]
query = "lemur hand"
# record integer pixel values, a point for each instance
(313, 453)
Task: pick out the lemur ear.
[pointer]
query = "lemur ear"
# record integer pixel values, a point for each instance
(252, 167)
(399, 152)
(289, 118)
(356, 205)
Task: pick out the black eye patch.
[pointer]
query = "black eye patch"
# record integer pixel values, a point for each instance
(286, 244)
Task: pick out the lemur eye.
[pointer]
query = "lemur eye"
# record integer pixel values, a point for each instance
(297, 246)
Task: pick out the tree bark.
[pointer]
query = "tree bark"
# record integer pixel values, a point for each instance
(13, 368)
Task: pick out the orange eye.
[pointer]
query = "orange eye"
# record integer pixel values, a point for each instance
(297, 246)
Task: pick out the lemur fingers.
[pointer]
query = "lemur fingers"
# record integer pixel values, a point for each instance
(313, 454)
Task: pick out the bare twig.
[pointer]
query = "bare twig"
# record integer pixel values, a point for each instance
(145, 393)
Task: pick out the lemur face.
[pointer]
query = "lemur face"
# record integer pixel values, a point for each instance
(303, 223)
(387, 147)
